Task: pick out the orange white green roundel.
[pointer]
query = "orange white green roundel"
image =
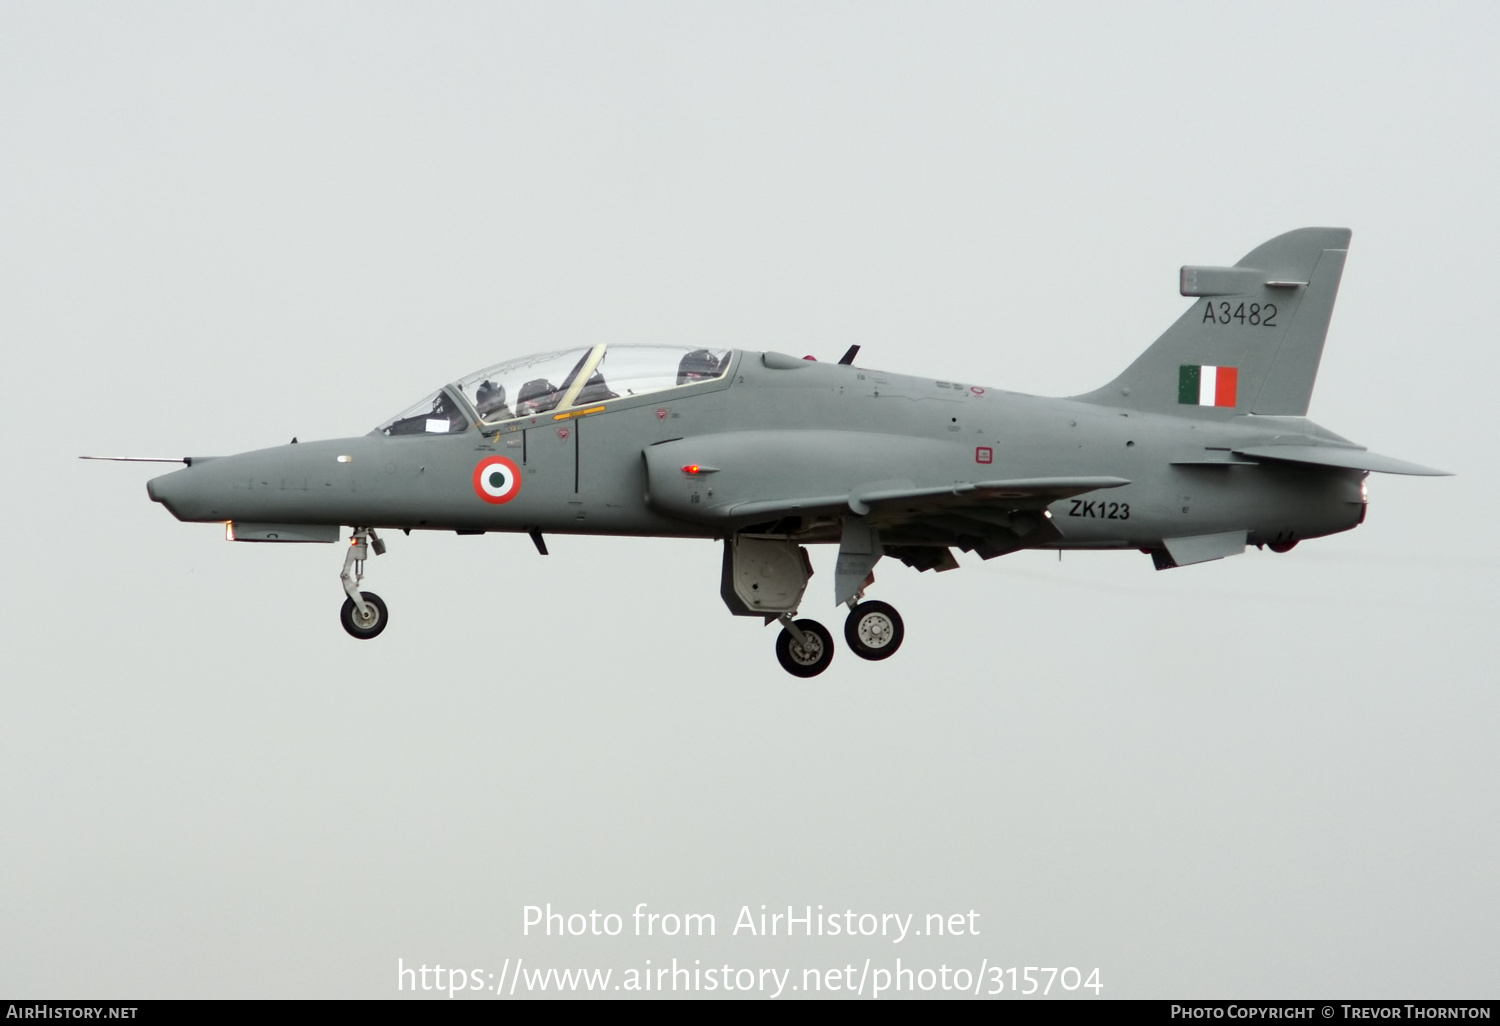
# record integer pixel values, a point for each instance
(497, 479)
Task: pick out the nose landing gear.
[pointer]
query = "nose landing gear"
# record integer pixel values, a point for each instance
(364, 615)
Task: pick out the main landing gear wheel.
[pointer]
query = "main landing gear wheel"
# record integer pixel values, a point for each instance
(372, 623)
(874, 630)
(809, 656)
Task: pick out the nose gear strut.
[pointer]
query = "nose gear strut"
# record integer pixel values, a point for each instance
(364, 614)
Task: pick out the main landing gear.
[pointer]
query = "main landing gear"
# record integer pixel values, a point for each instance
(766, 576)
(364, 615)
(805, 647)
(874, 630)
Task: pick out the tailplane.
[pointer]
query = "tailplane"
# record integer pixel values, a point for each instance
(1252, 341)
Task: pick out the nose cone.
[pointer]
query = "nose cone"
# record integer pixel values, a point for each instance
(287, 484)
(198, 492)
(171, 490)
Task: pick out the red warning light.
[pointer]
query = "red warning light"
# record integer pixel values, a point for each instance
(814, 359)
(691, 468)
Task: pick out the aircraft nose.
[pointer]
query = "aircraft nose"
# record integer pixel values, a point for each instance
(160, 488)
(173, 491)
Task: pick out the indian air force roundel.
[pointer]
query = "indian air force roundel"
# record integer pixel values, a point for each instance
(497, 479)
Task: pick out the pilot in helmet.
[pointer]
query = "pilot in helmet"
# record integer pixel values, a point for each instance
(489, 398)
(699, 365)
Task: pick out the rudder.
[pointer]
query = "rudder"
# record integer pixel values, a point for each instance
(1253, 340)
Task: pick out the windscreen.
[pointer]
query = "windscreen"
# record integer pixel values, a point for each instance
(438, 414)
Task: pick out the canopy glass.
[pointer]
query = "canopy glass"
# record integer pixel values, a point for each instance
(557, 381)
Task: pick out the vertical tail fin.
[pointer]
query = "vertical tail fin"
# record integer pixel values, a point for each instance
(1253, 340)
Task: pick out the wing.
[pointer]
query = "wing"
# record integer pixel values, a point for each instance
(919, 526)
(922, 495)
(895, 503)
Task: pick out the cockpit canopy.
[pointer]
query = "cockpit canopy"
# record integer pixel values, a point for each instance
(550, 382)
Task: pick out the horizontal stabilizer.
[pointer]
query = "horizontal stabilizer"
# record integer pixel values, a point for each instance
(1337, 456)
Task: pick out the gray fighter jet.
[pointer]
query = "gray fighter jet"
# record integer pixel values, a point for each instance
(1198, 449)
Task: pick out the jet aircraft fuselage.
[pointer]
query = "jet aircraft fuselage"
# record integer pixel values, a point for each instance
(797, 432)
(1197, 450)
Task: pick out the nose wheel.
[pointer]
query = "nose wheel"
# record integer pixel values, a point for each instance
(367, 624)
(804, 647)
(364, 615)
(874, 630)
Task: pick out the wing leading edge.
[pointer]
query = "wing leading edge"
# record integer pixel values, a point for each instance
(1028, 491)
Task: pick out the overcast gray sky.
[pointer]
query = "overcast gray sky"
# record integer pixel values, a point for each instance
(225, 225)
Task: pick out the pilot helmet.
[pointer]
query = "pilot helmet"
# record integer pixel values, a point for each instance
(489, 396)
(698, 365)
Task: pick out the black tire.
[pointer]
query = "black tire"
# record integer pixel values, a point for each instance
(809, 662)
(350, 619)
(874, 630)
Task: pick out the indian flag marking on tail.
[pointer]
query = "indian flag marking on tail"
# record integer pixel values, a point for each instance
(1208, 386)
